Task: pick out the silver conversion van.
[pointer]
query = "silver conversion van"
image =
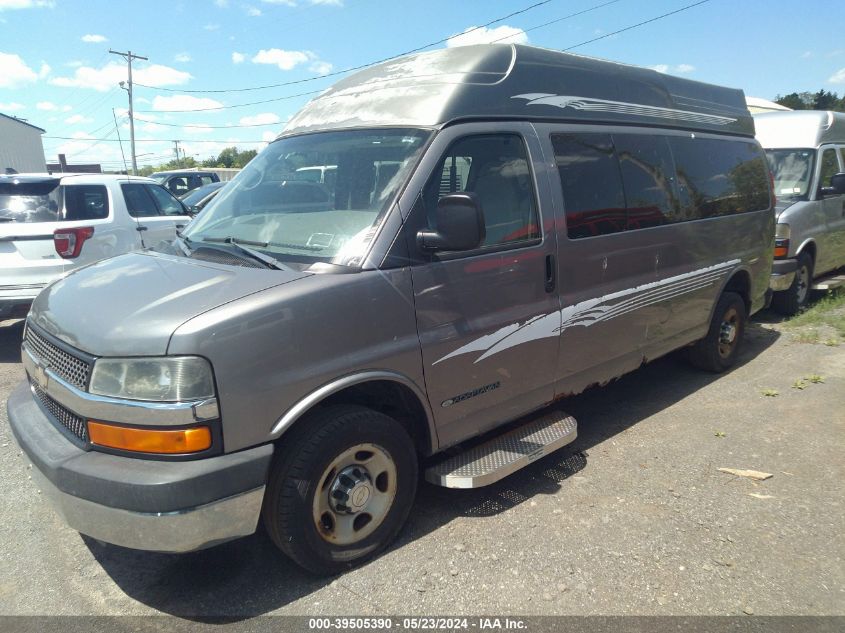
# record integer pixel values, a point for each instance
(505, 226)
(806, 152)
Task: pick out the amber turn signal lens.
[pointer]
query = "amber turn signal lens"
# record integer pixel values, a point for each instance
(165, 441)
(781, 251)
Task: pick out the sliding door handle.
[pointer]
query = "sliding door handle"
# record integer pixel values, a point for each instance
(550, 273)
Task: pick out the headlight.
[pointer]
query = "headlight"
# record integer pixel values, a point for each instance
(163, 379)
(782, 232)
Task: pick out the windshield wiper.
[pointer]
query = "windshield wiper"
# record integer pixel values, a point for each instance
(270, 262)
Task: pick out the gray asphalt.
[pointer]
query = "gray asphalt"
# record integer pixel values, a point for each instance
(634, 518)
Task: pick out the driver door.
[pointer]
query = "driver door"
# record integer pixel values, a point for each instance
(487, 318)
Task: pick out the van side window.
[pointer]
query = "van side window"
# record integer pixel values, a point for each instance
(830, 167)
(718, 177)
(495, 168)
(138, 201)
(592, 184)
(648, 177)
(86, 202)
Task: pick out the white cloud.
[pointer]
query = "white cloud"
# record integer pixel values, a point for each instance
(321, 68)
(8, 5)
(806, 54)
(285, 60)
(184, 103)
(78, 118)
(222, 3)
(238, 58)
(108, 77)
(253, 12)
(11, 107)
(94, 39)
(503, 34)
(46, 106)
(332, 3)
(287, 3)
(680, 69)
(44, 71)
(76, 63)
(211, 27)
(260, 119)
(15, 71)
(182, 58)
(838, 77)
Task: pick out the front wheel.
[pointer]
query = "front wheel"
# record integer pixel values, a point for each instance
(790, 301)
(717, 351)
(340, 488)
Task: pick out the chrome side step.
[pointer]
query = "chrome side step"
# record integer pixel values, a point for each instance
(829, 283)
(501, 456)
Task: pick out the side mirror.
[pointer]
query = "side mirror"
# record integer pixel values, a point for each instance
(460, 224)
(837, 183)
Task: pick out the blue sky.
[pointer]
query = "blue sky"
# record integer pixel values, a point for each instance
(56, 72)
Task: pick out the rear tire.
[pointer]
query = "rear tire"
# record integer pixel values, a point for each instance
(790, 301)
(717, 351)
(340, 488)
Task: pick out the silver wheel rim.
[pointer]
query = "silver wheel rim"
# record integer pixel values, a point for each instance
(803, 288)
(728, 332)
(354, 494)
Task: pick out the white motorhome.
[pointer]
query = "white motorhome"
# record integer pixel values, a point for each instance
(806, 152)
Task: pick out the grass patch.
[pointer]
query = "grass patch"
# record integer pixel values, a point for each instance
(825, 317)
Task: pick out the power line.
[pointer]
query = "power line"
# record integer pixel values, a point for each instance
(238, 105)
(212, 127)
(151, 140)
(128, 56)
(556, 20)
(633, 26)
(361, 67)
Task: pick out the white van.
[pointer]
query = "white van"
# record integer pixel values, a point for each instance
(806, 152)
(51, 225)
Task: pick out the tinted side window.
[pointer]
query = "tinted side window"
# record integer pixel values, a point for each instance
(167, 204)
(138, 201)
(830, 167)
(719, 177)
(648, 176)
(206, 180)
(495, 168)
(592, 184)
(86, 202)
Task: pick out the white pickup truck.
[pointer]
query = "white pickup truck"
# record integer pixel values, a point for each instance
(51, 225)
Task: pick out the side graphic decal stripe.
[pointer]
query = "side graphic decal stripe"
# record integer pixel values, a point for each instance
(621, 107)
(591, 311)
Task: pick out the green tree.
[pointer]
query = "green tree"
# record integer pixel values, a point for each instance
(821, 100)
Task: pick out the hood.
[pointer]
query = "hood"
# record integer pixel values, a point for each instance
(783, 205)
(130, 305)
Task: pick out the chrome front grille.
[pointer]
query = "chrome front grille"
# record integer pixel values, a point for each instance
(67, 366)
(65, 417)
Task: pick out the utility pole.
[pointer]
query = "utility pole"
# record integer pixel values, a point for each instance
(128, 56)
(176, 149)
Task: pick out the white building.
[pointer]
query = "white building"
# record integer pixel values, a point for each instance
(21, 149)
(757, 105)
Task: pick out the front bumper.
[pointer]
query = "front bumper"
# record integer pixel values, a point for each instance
(161, 506)
(783, 274)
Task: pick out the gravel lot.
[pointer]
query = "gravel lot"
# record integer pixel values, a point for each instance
(634, 518)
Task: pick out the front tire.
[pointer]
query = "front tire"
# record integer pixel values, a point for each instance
(717, 351)
(790, 301)
(341, 488)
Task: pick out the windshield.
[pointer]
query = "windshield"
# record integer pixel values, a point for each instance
(792, 170)
(37, 205)
(314, 198)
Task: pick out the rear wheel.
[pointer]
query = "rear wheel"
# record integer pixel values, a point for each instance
(341, 488)
(791, 300)
(717, 351)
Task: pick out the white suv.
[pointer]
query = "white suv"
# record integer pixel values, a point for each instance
(51, 225)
